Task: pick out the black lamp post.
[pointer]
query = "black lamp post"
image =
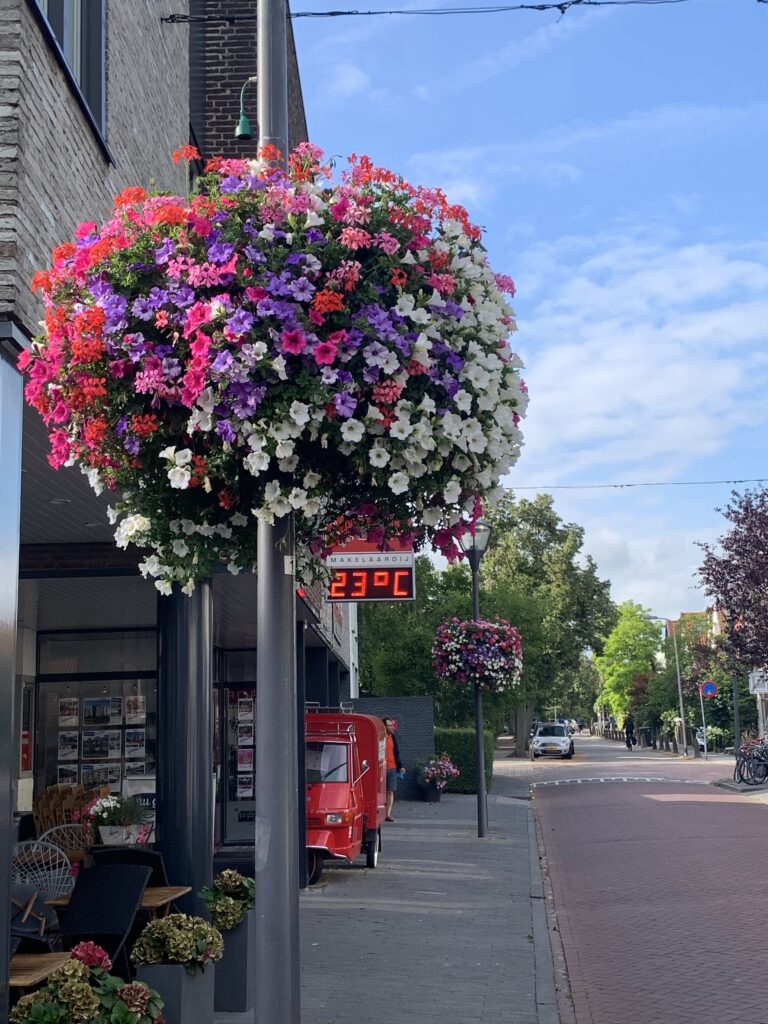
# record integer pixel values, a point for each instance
(474, 547)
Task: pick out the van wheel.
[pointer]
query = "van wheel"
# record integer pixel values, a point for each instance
(372, 852)
(314, 866)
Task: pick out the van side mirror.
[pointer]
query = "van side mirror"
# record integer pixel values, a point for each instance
(365, 766)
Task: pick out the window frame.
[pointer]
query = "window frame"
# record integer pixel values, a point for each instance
(93, 37)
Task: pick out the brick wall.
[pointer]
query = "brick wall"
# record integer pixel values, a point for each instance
(223, 57)
(53, 173)
(415, 732)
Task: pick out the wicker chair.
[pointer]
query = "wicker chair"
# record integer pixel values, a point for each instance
(42, 866)
(74, 839)
(63, 805)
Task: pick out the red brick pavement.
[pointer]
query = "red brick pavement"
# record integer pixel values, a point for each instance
(662, 900)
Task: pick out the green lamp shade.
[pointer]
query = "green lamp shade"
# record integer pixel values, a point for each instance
(243, 130)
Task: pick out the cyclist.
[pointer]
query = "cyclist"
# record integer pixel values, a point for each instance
(629, 731)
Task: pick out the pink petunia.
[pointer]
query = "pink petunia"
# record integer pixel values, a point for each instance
(294, 342)
(324, 353)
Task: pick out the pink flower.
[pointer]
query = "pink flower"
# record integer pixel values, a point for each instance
(355, 238)
(293, 342)
(324, 353)
(91, 955)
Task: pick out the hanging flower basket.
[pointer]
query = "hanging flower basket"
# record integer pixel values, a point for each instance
(277, 343)
(489, 653)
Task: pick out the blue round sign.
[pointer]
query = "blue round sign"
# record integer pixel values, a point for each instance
(709, 689)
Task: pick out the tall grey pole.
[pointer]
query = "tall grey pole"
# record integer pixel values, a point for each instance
(482, 798)
(736, 718)
(11, 387)
(680, 695)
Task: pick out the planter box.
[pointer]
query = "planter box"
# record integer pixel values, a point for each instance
(188, 997)
(430, 792)
(235, 990)
(119, 835)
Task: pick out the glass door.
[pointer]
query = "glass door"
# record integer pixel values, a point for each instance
(238, 764)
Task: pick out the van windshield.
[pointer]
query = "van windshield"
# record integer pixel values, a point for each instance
(326, 762)
(551, 730)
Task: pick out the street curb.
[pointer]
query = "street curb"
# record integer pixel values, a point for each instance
(546, 933)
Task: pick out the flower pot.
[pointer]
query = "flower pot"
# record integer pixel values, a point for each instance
(430, 792)
(119, 835)
(235, 990)
(188, 997)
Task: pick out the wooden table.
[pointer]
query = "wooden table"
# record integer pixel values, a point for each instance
(29, 969)
(157, 899)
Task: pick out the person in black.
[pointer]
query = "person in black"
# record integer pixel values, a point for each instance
(629, 731)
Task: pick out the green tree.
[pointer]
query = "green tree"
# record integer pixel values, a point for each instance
(629, 653)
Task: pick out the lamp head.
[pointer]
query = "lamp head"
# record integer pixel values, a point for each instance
(476, 543)
(243, 130)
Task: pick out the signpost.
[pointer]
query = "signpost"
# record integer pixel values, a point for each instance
(363, 572)
(707, 689)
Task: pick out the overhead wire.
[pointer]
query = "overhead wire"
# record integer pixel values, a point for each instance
(651, 483)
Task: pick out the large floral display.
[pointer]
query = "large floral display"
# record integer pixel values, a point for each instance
(488, 653)
(275, 343)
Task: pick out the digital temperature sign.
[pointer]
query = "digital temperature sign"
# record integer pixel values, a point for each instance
(372, 583)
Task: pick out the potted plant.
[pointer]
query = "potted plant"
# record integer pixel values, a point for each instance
(83, 990)
(120, 820)
(173, 953)
(434, 774)
(230, 899)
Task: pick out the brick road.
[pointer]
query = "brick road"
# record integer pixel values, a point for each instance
(661, 899)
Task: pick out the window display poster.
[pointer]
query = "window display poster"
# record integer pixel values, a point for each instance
(135, 743)
(245, 759)
(101, 744)
(245, 709)
(245, 734)
(67, 774)
(100, 775)
(135, 710)
(100, 711)
(245, 787)
(69, 712)
(68, 746)
(133, 768)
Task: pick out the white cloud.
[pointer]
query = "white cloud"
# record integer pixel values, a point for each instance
(346, 80)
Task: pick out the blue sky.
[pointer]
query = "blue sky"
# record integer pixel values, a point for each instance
(616, 159)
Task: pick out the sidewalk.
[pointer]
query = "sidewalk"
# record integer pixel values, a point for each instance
(449, 928)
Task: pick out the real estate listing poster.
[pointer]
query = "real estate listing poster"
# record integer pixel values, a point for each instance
(67, 774)
(245, 759)
(101, 775)
(245, 787)
(100, 711)
(69, 712)
(101, 744)
(135, 743)
(135, 710)
(68, 746)
(245, 734)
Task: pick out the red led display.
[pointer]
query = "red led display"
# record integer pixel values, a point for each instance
(369, 583)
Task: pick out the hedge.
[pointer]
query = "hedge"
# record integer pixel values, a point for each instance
(459, 744)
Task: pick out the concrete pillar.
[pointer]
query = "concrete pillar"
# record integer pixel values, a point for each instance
(317, 676)
(185, 740)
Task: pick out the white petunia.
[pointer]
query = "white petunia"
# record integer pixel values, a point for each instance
(179, 478)
(401, 429)
(299, 413)
(311, 479)
(183, 457)
(398, 483)
(256, 462)
(180, 548)
(452, 492)
(352, 431)
(379, 457)
(168, 453)
(164, 587)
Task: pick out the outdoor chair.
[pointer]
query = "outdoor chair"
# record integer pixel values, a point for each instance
(34, 925)
(133, 855)
(74, 839)
(43, 866)
(102, 909)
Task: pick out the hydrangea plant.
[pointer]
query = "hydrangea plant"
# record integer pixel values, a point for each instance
(229, 898)
(179, 939)
(275, 343)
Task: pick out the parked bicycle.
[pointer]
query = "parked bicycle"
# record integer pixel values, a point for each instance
(751, 766)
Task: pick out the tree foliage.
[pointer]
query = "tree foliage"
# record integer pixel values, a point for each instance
(734, 574)
(629, 654)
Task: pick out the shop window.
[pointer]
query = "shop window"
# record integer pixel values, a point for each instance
(77, 30)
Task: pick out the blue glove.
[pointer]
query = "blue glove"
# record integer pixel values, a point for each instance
(401, 773)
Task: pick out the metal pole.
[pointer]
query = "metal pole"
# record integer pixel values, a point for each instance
(736, 717)
(11, 432)
(482, 797)
(703, 724)
(680, 695)
(185, 740)
(276, 791)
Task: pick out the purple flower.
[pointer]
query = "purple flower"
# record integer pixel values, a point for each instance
(302, 290)
(183, 296)
(157, 298)
(121, 426)
(142, 309)
(164, 252)
(254, 255)
(231, 184)
(132, 444)
(225, 431)
(315, 237)
(222, 362)
(371, 374)
(345, 404)
(293, 259)
(220, 252)
(114, 307)
(241, 322)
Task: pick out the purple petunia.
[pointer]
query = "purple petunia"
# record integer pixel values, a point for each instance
(345, 404)
(241, 322)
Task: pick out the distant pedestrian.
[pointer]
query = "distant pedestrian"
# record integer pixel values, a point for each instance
(395, 768)
(629, 731)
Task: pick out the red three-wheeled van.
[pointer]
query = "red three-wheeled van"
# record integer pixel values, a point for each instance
(346, 782)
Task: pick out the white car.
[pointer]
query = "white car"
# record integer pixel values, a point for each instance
(553, 739)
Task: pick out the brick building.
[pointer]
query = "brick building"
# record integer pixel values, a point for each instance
(96, 96)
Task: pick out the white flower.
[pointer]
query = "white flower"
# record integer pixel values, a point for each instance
(311, 479)
(280, 507)
(180, 548)
(168, 453)
(278, 365)
(94, 480)
(188, 588)
(112, 515)
(183, 457)
(131, 527)
(398, 483)
(313, 221)
(401, 429)
(271, 491)
(238, 519)
(432, 516)
(284, 449)
(463, 401)
(256, 462)
(179, 478)
(352, 430)
(299, 413)
(164, 586)
(379, 457)
(297, 497)
(404, 305)
(289, 464)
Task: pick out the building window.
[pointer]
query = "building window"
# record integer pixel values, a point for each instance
(78, 29)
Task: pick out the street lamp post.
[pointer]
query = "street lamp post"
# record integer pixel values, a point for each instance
(659, 618)
(474, 545)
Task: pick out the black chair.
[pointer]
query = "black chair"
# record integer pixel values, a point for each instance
(132, 855)
(102, 909)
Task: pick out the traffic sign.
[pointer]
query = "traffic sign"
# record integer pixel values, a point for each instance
(709, 688)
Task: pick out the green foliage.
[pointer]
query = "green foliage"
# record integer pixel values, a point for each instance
(629, 652)
(459, 744)
(179, 939)
(77, 993)
(229, 897)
